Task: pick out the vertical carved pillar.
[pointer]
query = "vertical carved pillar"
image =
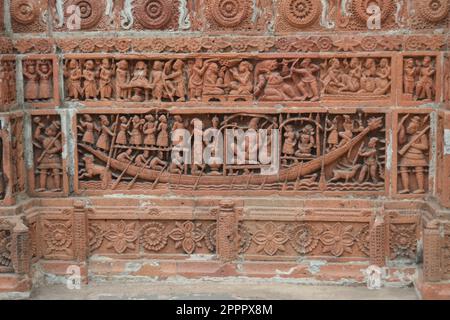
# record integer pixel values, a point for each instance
(378, 239)
(432, 252)
(227, 240)
(20, 249)
(80, 231)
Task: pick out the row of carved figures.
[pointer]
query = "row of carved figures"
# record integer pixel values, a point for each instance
(220, 79)
(146, 142)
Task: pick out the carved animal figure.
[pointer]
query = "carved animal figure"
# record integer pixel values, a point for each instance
(346, 175)
(92, 170)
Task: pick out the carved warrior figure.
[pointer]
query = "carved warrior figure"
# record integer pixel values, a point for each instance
(48, 162)
(88, 127)
(413, 147)
(370, 166)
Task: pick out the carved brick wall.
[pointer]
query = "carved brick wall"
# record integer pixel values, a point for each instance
(92, 91)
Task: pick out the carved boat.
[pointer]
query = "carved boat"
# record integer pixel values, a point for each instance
(288, 174)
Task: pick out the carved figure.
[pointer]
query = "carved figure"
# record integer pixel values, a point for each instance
(105, 82)
(425, 85)
(370, 161)
(89, 84)
(72, 72)
(49, 162)
(31, 77)
(122, 79)
(414, 144)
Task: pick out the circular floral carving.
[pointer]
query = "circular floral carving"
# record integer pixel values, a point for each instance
(154, 14)
(153, 236)
(24, 11)
(58, 236)
(325, 43)
(91, 11)
(369, 43)
(230, 13)
(303, 238)
(301, 13)
(413, 43)
(359, 8)
(434, 10)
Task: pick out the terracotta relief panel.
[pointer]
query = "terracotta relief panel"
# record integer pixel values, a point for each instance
(420, 82)
(28, 16)
(307, 238)
(132, 238)
(413, 153)
(49, 176)
(7, 83)
(40, 81)
(340, 152)
(228, 79)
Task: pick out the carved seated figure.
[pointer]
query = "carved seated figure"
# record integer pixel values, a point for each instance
(213, 82)
(306, 142)
(157, 163)
(242, 83)
(139, 82)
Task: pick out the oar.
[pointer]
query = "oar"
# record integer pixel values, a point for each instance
(159, 176)
(116, 183)
(200, 175)
(52, 142)
(138, 173)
